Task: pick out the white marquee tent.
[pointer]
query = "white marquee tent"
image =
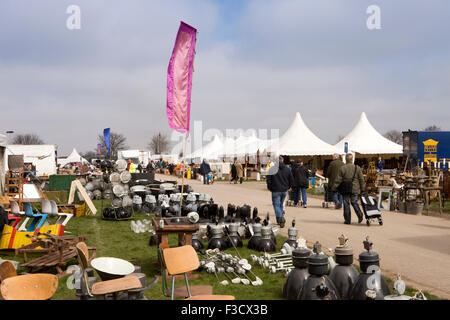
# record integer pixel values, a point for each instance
(299, 140)
(364, 139)
(43, 156)
(73, 157)
(210, 151)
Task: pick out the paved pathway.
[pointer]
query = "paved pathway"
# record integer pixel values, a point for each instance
(418, 247)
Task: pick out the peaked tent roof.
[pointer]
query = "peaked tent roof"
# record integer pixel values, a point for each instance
(210, 150)
(365, 139)
(299, 140)
(73, 157)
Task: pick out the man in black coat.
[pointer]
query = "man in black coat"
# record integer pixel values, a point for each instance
(204, 170)
(301, 174)
(279, 181)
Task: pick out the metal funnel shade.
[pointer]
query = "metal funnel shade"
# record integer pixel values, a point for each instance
(111, 268)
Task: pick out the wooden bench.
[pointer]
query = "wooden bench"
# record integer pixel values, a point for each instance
(58, 249)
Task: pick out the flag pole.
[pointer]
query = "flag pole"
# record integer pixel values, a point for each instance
(182, 173)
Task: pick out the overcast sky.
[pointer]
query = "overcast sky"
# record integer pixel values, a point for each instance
(257, 63)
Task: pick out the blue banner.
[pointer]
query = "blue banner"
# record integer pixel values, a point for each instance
(106, 136)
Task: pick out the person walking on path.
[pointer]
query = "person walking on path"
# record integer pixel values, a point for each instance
(234, 172)
(300, 174)
(279, 181)
(351, 175)
(204, 170)
(332, 173)
(239, 172)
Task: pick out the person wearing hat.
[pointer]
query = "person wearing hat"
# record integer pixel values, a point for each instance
(279, 181)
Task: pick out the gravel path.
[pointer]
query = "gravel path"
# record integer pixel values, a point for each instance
(416, 246)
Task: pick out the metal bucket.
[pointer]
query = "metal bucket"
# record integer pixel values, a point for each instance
(127, 201)
(413, 207)
(125, 176)
(97, 184)
(116, 203)
(107, 194)
(89, 186)
(97, 194)
(118, 190)
(114, 177)
(121, 165)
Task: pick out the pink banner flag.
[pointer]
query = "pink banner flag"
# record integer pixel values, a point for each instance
(179, 79)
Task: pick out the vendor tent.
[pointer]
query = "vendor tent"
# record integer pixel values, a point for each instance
(210, 151)
(364, 139)
(141, 156)
(299, 140)
(74, 157)
(43, 156)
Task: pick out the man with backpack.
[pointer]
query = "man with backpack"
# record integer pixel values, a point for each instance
(350, 183)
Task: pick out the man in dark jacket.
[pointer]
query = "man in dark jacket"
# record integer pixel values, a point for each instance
(301, 175)
(279, 181)
(350, 172)
(204, 170)
(380, 164)
(332, 173)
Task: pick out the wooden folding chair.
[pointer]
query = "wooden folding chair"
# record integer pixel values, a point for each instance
(104, 287)
(181, 260)
(39, 286)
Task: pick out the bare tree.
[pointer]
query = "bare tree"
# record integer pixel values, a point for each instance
(89, 155)
(394, 136)
(432, 128)
(117, 141)
(159, 143)
(28, 138)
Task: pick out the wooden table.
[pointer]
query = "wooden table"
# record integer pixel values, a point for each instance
(184, 231)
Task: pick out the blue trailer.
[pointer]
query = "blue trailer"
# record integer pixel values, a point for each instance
(427, 146)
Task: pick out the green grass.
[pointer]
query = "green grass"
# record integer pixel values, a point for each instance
(116, 239)
(434, 206)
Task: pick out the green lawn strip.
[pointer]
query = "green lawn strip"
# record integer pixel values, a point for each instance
(116, 239)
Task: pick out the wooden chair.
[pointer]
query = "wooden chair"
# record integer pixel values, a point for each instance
(7, 270)
(39, 286)
(104, 287)
(181, 260)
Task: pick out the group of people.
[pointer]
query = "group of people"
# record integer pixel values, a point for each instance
(237, 172)
(132, 168)
(294, 178)
(283, 178)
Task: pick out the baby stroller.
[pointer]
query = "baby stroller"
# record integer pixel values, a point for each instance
(328, 196)
(370, 208)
